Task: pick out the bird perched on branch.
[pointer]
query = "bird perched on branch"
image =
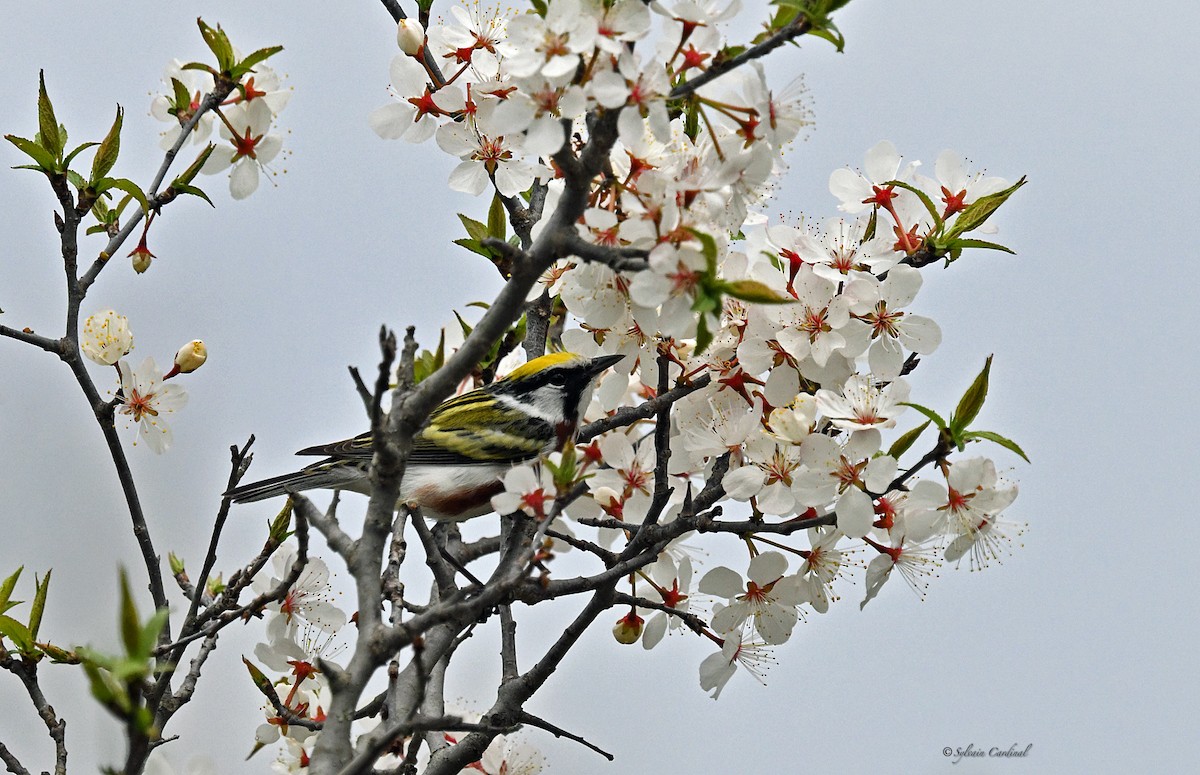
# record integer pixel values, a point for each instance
(467, 444)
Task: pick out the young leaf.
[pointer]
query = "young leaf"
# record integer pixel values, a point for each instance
(39, 604)
(188, 175)
(247, 64)
(905, 442)
(110, 148)
(979, 210)
(932, 415)
(475, 230)
(45, 161)
(192, 190)
(48, 127)
(1008, 444)
(16, 632)
(959, 244)
(925, 200)
(971, 401)
(497, 219)
(78, 149)
(755, 292)
(130, 624)
(8, 585)
(128, 186)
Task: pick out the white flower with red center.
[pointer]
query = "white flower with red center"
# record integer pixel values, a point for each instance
(309, 599)
(823, 563)
(527, 489)
(177, 110)
(861, 405)
(956, 188)
(974, 500)
(915, 562)
(878, 304)
(538, 110)
(619, 24)
(768, 599)
(718, 668)
(819, 324)
(551, 46)
(147, 401)
(710, 426)
(844, 473)
(486, 159)
(263, 85)
(414, 115)
(629, 469)
(988, 543)
(858, 192)
(912, 513)
(768, 476)
(248, 148)
(672, 581)
(106, 337)
(476, 39)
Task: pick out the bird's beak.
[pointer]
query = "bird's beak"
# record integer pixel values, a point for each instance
(598, 365)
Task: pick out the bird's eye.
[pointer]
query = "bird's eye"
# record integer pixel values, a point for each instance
(558, 379)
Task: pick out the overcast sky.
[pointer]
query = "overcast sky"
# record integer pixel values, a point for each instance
(1080, 644)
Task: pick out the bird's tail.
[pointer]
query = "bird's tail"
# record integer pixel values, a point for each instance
(331, 474)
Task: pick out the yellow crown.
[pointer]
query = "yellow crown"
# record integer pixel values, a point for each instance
(544, 362)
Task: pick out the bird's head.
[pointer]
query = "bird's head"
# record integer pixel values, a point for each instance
(555, 387)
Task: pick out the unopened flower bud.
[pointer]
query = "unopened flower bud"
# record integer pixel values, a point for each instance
(215, 585)
(176, 563)
(410, 36)
(106, 337)
(628, 628)
(141, 256)
(191, 356)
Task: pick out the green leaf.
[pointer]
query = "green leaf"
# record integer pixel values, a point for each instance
(474, 246)
(126, 185)
(247, 64)
(110, 148)
(131, 625)
(979, 211)
(218, 43)
(39, 604)
(260, 680)
(183, 98)
(8, 585)
(76, 180)
(708, 246)
(925, 200)
(959, 244)
(187, 176)
(703, 336)
(201, 66)
(872, 223)
(971, 401)
(78, 149)
(149, 635)
(45, 160)
(932, 415)
(52, 138)
(193, 191)
(497, 225)
(755, 292)
(1008, 444)
(905, 442)
(16, 632)
(475, 230)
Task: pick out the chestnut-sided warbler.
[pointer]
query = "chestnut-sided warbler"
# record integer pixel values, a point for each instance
(467, 444)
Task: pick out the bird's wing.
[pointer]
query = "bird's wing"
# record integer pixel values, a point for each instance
(466, 429)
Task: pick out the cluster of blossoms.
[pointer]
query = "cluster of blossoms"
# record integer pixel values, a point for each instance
(802, 332)
(144, 397)
(303, 629)
(247, 141)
